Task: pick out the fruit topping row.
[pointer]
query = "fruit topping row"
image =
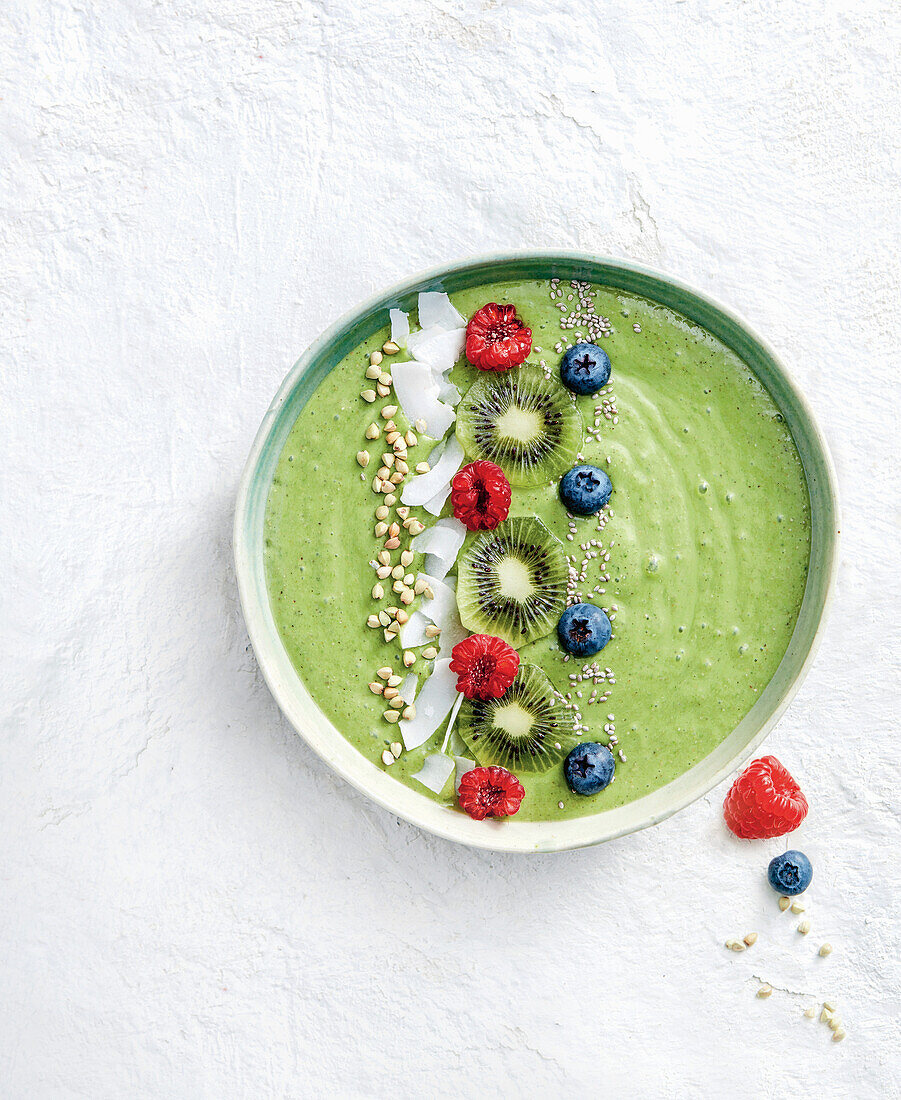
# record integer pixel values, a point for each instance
(512, 582)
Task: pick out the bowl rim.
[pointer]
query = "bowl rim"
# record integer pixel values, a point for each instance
(512, 835)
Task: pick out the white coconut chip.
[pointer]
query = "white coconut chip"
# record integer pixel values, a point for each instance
(462, 765)
(423, 336)
(412, 633)
(448, 450)
(427, 489)
(435, 771)
(455, 710)
(433, 703)
(435, 308)
(436, 452)
(441, 544)
(447, 391)
(418, 395)
(407, 689)
(442, 610)
(438, 348)
(400, 326)
(436, 504)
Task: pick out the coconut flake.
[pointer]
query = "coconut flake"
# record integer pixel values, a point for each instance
(462, 765)
(418, 395)
(407, 689)
(432, 489)
(441, 544)
(400, 326)
(433, 702)
(412, 633)
(457, 746)
(423, 336)
(435, 308)
(447, 391)
(442, 610)
(438, 348)
(435, 771)
(455, 710)
(451, 450)
(436, 452)
(436, 504)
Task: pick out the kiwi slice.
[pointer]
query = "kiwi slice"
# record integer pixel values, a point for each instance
(526, 424)
(526, 730)
(511, 582)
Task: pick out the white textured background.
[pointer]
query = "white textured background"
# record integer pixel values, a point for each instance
(191, 905)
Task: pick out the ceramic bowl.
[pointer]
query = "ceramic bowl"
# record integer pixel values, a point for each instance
(309, 721)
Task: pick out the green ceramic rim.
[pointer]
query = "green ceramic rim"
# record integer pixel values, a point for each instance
(287, 687)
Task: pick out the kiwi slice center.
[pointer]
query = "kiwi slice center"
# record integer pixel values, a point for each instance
(514, 720)
(521, 425)
(511, 582)
(514, 579)
(526, 730)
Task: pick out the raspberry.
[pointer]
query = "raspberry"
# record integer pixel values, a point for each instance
(764, 801)
(496, 339)
(485, 666)
(490, 792)
(480, 495)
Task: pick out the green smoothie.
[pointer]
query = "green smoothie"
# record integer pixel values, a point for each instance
(700, 558)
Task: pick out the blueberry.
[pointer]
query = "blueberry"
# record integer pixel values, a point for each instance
(585, 490)
(589, 768)
(790, 873)
(583, 630)
(585, 368)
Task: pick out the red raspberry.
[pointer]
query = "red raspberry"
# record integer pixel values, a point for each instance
(480, 495)
(490, 792)
(764, 801)
(496, 339)
(485, 666)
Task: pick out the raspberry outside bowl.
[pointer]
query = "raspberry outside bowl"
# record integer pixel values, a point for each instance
(286, 686)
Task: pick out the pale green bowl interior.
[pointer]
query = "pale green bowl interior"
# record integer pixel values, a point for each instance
(328, 742)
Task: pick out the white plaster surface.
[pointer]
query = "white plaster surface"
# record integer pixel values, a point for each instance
(191, 905)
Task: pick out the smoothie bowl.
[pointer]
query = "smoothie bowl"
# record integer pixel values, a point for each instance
(534, 550)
